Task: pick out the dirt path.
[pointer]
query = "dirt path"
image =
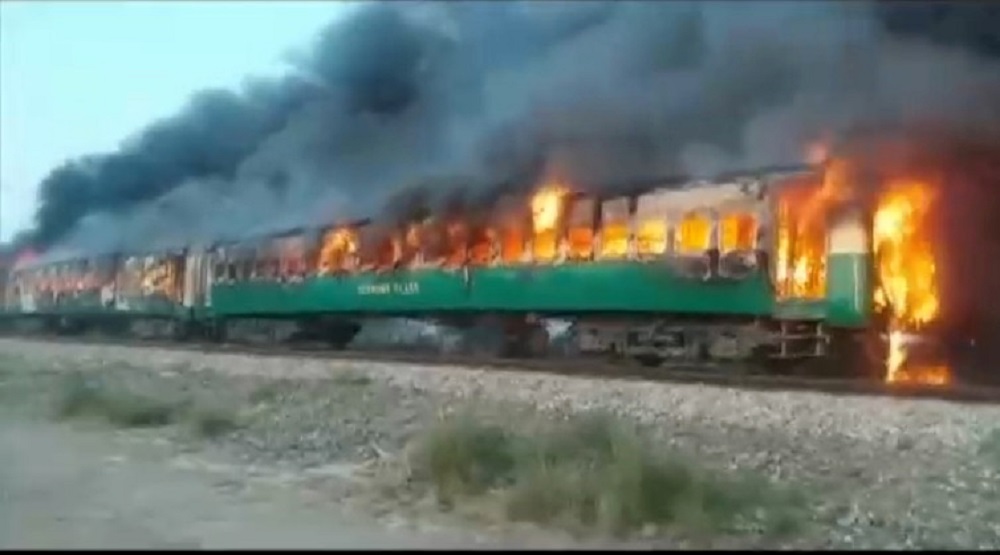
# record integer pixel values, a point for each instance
(68, 488)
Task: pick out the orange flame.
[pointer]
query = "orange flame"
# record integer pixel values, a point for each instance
(339, 246)
(545, 207)
(800, 257)
(546, 212)
(908, 284)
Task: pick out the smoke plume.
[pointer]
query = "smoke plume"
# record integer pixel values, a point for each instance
(491, 94)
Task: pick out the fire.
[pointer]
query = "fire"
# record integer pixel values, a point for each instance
(546, 212)
(738, 233)
(545, 207)
(615, 229)
(694, 234)
(907, 274)
(339, 246)
(651, 237)
(899, 350)
(800, 258)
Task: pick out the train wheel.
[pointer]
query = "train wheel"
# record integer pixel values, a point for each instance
(651, 361)
(340, 334)
(538, 341)
(218, 330)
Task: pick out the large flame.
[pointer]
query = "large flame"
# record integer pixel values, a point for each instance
(800, 257)
(907, 274)
(339, 246)
(546, 212)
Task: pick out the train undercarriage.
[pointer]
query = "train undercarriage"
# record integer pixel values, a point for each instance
(758, 346)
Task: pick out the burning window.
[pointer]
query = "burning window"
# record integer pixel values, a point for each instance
(580, 236)
(158, 276)
(291, 255)
(481, 241)
(651, 225)
(338, 251)
(651, 237)
(380, 248)
(454, 247)
(800, 257)
(614, 228)
(511, 231)
(512, 244)
(738, 232)
(693, 235)
(546, 216)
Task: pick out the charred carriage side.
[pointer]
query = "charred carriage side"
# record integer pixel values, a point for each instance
(113, 292)
(741, 268)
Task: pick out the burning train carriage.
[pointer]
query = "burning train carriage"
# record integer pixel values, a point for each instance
(768, 263)
(77, 292)
(724, 269)
(66, 285)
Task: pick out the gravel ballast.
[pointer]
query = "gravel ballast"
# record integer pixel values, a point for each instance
(877, 472)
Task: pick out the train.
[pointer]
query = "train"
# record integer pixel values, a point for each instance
(742, 269)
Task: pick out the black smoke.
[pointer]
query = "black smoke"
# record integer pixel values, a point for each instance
(492, 94)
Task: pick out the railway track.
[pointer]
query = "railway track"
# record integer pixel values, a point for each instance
(567, 366)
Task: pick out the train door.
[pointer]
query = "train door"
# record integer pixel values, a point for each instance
(799, 268)
(849, 270)
(28, 282)
(194, 284)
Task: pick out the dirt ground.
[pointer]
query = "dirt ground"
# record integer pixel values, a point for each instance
(71, 487)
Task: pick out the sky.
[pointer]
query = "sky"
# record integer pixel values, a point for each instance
(79, 77)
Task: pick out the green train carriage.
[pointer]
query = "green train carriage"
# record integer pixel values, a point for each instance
(700, 295)
(138, 293)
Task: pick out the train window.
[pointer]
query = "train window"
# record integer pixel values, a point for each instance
(453, 244)
(261, 267)
(738, 232)
(221, 272)
(512, 245)
(482, 243)
(371, 241)
(338, 251)
(580, 235)
(614, 228)
(547, 218)
(378, 248)
(244, 269)
(513, 229)
(693, 235)
(391, 252)
(288, 256)
(652, 224)
(651, 237)
(411, 244)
